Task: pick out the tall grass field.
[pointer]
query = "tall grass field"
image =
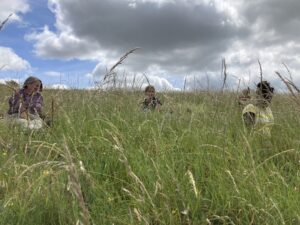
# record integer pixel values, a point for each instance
(105, 162)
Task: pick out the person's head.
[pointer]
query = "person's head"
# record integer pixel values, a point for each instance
(264, 93)
(246, 92)
(33, 84)
(244, 97)
(150, 91)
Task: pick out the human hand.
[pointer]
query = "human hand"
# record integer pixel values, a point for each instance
(23, 111)
(23, 115)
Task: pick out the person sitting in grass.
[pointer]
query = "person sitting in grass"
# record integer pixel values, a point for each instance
(26, 104)
(151, 102)
(259, 115)
(244, 98)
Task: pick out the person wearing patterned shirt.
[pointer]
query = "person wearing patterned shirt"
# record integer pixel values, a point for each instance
(25, 105)
(151, 102)
(259, 115)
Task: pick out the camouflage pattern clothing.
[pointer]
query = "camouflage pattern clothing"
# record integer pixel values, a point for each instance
(150, 104)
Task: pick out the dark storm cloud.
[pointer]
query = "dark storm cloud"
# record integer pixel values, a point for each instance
(192, 34)
(178, 25)
(280, 18)
(178, 37)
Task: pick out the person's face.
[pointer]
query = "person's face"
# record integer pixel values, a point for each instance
(150, 93)
(33, 87)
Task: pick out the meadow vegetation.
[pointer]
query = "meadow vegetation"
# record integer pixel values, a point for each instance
(106, 162)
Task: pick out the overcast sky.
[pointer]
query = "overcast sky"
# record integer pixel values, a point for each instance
(73, 42)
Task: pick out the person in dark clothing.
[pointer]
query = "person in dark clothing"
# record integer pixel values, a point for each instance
(151, 102)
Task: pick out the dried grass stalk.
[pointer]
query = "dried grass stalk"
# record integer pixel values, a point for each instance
(193, 183)
(290, 81)
(110, 72)
(146, 78)
(5, 21)
(224, 71)
(74, 187)
(260, 71)
(291, 87)
(184, 84)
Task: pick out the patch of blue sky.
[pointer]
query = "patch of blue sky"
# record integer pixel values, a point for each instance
(52, 71)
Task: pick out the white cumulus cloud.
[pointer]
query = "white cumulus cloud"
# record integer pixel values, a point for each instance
(53, 73)
(9, 60)
(59, 86)
(13, 6)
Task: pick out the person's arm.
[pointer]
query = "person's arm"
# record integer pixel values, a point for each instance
(158, 105)
(249, 119)
(14, 102)
(23, 112)
(38, 103)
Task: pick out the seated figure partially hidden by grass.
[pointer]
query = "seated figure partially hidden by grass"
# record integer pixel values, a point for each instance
(151, 102)
(258, 116)
(244, 98)
(26, 104)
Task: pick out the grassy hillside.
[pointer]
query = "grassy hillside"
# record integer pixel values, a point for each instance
(105, 162)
